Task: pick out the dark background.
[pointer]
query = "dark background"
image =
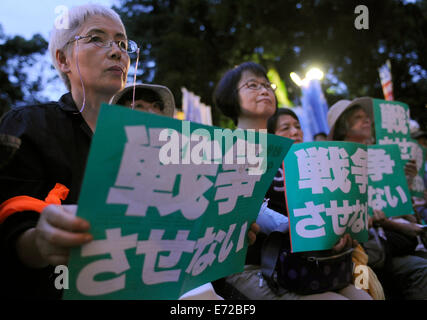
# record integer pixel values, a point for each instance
(192, 43)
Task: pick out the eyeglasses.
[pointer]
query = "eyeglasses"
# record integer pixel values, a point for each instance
(128, 46)
(255, 85)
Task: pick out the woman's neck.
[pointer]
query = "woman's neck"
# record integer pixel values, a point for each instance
(252, 123)
(92, 105)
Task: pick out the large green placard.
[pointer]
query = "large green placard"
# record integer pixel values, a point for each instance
(169, 202)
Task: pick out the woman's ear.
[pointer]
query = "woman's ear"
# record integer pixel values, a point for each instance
(63, 61)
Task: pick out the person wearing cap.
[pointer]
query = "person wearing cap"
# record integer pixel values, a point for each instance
(148, 97)
(353, 121)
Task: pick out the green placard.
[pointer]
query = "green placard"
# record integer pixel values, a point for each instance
(387, 187)
(392, 127)
(326, 184)
(392, 124)
(169, 202)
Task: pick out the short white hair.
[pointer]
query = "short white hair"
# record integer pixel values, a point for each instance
(77, 16)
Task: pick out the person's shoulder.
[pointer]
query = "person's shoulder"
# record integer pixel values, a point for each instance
(34, 108)
(32, 117)
(34, 111)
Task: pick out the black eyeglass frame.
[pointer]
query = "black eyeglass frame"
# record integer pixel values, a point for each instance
(268, 86)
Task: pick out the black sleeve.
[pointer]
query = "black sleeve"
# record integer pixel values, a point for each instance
(22, 175)
(25, 172)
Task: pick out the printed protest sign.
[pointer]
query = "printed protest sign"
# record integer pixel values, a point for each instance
(387, 186)
(326, 193)
(170, 204)
(392, 127)
(392, 124)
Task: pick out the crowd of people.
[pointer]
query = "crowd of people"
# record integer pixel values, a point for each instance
(40, 182)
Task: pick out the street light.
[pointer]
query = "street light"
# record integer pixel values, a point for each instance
(312, 74)
(295, 78)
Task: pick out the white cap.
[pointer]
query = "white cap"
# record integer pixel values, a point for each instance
(165, 95)
(337, 109)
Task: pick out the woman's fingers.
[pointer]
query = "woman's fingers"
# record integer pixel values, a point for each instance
(339, 245)
(57, 231)
(345, 242)
(62, 238)
(253, 232)
(61, 218)
(56, 260)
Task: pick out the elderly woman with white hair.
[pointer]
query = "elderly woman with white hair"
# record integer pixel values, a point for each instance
(40, 186)
(92, 57)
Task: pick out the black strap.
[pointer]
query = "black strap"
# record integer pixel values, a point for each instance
(227, 291)
(269, 255)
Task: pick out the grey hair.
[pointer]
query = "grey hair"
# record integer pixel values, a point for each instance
(77, 16)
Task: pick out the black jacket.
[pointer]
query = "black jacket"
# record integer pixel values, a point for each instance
(55, 143)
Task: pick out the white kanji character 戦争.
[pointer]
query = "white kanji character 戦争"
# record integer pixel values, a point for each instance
(233, 182)
(144, 182)
(394, 118)
(323, 168)
(379, 163)
(359, 168)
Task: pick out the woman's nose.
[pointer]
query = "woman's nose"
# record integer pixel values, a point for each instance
(115, 51)
(294, 131)
(264, 90)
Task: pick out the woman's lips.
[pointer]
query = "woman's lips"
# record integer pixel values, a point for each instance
(264, 100)
(116, 70)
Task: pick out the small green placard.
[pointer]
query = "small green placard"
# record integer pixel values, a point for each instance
(326, 184)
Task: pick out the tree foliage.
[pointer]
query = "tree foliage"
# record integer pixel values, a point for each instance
(192, 43)
(16, 55)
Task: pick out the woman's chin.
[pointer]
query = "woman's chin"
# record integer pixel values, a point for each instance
(113, 88)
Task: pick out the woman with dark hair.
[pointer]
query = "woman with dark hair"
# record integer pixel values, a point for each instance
(285, 123)
(246, 96)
